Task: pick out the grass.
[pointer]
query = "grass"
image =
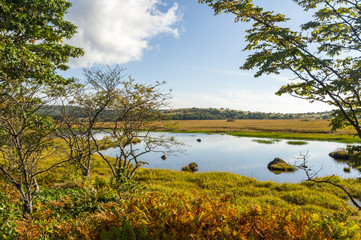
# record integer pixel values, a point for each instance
(301, 129)
(300, 136)
(245, 191)
(296, 142)
(282, 166)
(341, 155)
(71, 207)
(264, 141)
(282, 126)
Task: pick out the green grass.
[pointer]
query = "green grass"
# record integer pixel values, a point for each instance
(300, 136)
(297, 142)
(321, 198)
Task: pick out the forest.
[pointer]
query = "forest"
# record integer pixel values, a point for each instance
(193, 114)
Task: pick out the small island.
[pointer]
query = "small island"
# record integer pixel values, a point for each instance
(279, 165)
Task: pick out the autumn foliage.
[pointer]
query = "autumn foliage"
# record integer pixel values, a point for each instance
(163, 216)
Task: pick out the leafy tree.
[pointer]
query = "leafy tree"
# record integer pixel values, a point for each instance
(132, 108)
(32, 51)
(135, 108)
(25, 140)
(90, 101)
(31, 41)
(323, 54)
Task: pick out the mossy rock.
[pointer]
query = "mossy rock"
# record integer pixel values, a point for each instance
(280, 165)
(342, 155)
(192, 167)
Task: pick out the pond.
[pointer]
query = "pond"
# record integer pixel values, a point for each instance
(247, 157)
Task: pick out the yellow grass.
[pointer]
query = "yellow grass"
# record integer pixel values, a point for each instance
(266, 125)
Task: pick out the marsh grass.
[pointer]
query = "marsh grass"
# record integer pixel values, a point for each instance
(297, 142)
(303, 129)
(262, 141)
(341, 154)
(245, 190)
(71, 207)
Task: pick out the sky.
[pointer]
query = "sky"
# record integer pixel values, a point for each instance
(181, 42)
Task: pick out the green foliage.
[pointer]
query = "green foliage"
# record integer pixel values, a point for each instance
(124, 184)
(32, 52)
(128, 231)
(8, 214)
(113, 233)
(230, 115)
(31, 41)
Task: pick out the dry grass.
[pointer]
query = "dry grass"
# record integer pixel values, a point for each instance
(253, 125)
(284, 126)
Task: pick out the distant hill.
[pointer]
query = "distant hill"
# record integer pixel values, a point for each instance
(195, 114)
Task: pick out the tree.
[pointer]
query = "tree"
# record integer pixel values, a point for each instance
(31, 41)
(82, 109)
(32, 51)
(324, 54)
(134, 108)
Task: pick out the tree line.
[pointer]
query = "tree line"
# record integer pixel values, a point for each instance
(189, 114)
(214, 114)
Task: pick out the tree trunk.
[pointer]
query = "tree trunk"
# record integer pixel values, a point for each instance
(36, 186)
(27, 209)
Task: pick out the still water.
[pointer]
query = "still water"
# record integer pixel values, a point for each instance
(244, 156)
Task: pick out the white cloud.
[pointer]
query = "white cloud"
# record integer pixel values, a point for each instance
(118, 31)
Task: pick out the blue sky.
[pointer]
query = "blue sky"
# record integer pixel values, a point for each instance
(183, 43)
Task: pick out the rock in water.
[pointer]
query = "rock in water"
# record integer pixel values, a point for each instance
(280, 165)
(192, 167)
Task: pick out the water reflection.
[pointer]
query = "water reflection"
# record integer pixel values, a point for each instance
(244, 156)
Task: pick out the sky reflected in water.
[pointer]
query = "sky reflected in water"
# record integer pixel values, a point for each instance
(244, 156)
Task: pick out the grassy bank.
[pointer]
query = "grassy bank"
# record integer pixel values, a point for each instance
(299, 136)
(166, 204)
(300, 129)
